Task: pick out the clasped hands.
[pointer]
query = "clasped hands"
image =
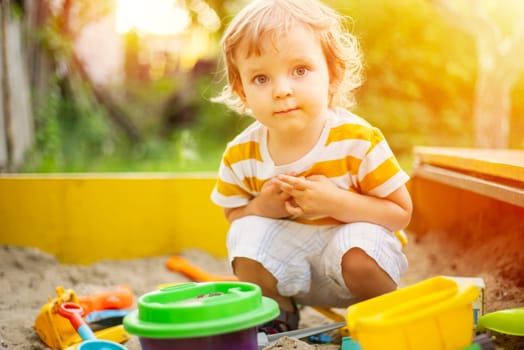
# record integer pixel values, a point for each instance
(290, 195)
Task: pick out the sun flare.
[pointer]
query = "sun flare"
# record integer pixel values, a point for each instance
(157, 17)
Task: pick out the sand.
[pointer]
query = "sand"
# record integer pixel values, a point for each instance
(28, 276)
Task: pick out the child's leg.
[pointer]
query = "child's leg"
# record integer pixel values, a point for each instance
(274, 254)
(372, 259)
(249, 270)
(360, 260)
(363, 276)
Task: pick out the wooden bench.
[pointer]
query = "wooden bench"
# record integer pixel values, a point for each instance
(451, 185)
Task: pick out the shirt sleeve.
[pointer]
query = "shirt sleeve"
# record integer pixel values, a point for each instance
(380, 173)
(229, 191)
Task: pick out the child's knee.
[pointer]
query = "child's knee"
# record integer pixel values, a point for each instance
(363, 276)
(357, 264)
(245, 266)
(250, 270)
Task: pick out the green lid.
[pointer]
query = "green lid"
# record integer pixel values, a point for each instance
(191, 310)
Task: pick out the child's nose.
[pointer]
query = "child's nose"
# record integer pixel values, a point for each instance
(282, 88)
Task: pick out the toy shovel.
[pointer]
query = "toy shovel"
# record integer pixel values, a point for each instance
(509, 321)
(74, 313)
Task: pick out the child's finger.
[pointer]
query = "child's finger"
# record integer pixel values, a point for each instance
(283, 184)
(284, 196)
(293, 210)
(297, 183)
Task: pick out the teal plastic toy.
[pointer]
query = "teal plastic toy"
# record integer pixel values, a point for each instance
(349, 344)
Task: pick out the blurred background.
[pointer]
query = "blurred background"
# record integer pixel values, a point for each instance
(125, 85)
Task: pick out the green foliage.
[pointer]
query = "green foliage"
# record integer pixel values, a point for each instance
(43, 155)
(420, 77)
(70, 132)
(74, 134)
(419, 84)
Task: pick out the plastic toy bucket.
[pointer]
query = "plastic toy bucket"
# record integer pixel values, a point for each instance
(435, 314)
(214, 316)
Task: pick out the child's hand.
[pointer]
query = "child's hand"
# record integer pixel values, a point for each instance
(271, 202)
(307, 196)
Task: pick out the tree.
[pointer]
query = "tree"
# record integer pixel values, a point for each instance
(499, 62)
(69, 27)
(6, 98)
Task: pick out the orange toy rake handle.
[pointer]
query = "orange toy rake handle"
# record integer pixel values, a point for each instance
(74, 312)
(179, 264)
(120, 298)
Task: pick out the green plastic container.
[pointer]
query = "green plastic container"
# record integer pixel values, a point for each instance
(213, 315)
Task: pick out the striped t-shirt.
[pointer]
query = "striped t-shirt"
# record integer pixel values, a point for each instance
(350, 152)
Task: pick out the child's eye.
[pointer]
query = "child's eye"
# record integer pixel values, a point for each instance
(300, 71)
(260, 79)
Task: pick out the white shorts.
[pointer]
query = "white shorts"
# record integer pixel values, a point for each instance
(306, 259)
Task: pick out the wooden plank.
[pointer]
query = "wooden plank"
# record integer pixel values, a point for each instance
(443, 209)
(84, 218)
(502, 192)
(507, 164)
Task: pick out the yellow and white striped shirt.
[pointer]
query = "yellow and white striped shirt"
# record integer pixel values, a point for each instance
(350, 152)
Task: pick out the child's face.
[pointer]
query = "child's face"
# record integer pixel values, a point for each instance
(287, 86)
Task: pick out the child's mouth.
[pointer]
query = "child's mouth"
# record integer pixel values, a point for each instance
(286, 111)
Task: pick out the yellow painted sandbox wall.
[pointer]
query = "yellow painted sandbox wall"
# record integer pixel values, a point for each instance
(85, 218)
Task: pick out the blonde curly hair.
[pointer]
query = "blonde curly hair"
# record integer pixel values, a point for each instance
(263, 19)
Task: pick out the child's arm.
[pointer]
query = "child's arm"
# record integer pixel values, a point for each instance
(317, 195)
(271, 203)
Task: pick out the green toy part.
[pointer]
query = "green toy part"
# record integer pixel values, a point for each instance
(189, 310)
